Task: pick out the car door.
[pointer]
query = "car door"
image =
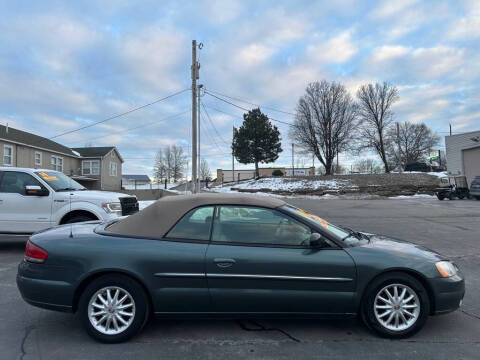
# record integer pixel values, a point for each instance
(259, 261)
(178, 267)
(19, 212)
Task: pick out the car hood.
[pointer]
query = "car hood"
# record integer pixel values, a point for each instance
(93, 195)
(399, 248)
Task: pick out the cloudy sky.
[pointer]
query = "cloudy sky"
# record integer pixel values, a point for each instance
(67, 64)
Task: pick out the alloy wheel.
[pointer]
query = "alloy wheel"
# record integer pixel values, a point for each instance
(397, 307)
(111, 310)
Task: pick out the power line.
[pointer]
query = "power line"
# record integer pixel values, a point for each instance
(138, 127)
(245, 109)
(213, 125)
(119, 115)
(248, 102)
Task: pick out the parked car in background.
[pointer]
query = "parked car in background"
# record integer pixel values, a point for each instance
(422, 167)
(230, 255)
(475, 188)
(36, 199)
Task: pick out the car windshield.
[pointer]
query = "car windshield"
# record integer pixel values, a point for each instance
(348, 236)
(59, 181)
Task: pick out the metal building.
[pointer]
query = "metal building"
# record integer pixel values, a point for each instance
(463, 154)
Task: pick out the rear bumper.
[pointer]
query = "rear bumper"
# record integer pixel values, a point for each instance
(48, 294)
(448, 293)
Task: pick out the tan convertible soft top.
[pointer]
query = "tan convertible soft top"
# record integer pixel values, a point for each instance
(155, 220)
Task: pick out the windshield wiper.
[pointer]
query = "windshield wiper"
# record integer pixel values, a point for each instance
(68, 189)
(355, 234)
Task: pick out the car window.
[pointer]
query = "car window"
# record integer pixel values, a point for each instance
(242, 224)
(15, 182)
(195, 225)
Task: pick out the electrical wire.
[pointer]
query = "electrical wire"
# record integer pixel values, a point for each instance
(244, 109)
(138, 127)
(251, 103)
(119, 115)
(213, 125)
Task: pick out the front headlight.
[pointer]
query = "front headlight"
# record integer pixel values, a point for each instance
(113, 207)
(446, 268)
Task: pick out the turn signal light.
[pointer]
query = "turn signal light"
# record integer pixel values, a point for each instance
(34, 253)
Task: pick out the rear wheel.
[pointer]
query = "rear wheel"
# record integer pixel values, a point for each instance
(396, 305)
(477, 197)
(440, 196)
(114, 308)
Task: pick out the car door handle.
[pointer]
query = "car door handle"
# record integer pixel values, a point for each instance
(223, 263)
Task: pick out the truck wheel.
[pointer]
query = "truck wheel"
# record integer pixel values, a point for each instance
(461, 196)
(114, 308)
(477, 197)
(79, 218)
(440, 196)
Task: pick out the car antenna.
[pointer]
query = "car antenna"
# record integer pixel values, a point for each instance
(70, 200)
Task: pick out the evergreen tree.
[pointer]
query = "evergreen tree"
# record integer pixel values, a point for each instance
(257, 140)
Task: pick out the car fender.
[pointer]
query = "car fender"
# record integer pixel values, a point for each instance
(84, 206)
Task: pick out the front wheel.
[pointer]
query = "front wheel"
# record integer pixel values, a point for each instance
(114, 308)
(396, 305)
(440, 196)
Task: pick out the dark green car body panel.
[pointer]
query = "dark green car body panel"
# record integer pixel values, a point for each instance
(185, 277)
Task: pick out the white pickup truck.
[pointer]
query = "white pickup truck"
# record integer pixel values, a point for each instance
(36, 199)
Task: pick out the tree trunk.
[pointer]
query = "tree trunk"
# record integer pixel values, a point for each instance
(257, 175)
(328, 168)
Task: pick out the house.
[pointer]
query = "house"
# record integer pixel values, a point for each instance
(135, 180)
(463, 154)
(98, 168)
(101, 168)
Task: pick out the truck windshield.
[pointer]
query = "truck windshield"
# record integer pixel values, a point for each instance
(59, 181)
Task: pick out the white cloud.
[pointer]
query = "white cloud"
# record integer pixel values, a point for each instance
(388, 52)
(390, 8)
(467, 27)
(338, 49)
(253, 55)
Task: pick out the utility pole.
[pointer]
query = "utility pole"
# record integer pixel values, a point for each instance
(293, 163)
(194, 116)
(450, 125)
(233, 157)
(199, 131)
(399, 149)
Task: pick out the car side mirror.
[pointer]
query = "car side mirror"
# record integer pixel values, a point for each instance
(317, 240)
(35, 190)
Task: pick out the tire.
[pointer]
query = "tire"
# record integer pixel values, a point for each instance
(461, 196)
(373, 318)
(79, 218)
(477, 197)
(440, 196)
(136, 305)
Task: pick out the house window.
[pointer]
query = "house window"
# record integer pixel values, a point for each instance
(7, 155)
(91, 167)
(38, 158)
(113, 168)
(56, 163)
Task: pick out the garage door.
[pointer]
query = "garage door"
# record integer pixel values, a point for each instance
(471, 163)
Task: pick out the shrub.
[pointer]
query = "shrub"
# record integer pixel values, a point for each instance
(277, 172)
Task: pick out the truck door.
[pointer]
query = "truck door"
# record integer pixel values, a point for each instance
(20, 212)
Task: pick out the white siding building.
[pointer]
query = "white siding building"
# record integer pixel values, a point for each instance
(463, 154)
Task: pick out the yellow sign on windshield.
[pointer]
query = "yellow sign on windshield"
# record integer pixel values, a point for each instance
(47, 177)
(313, 217)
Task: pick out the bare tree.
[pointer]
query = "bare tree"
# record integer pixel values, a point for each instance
(411, 143)
(367, 166)
(205, 172)
(324, 122)
(159, 168)
(375, 102)
(178, 161)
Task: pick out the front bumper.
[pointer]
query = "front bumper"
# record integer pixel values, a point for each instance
(49, 294)
(448, 293)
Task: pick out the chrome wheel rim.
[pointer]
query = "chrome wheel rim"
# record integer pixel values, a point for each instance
(111, 310)
(397, 307)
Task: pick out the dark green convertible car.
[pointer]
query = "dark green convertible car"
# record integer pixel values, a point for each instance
(233, 256)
